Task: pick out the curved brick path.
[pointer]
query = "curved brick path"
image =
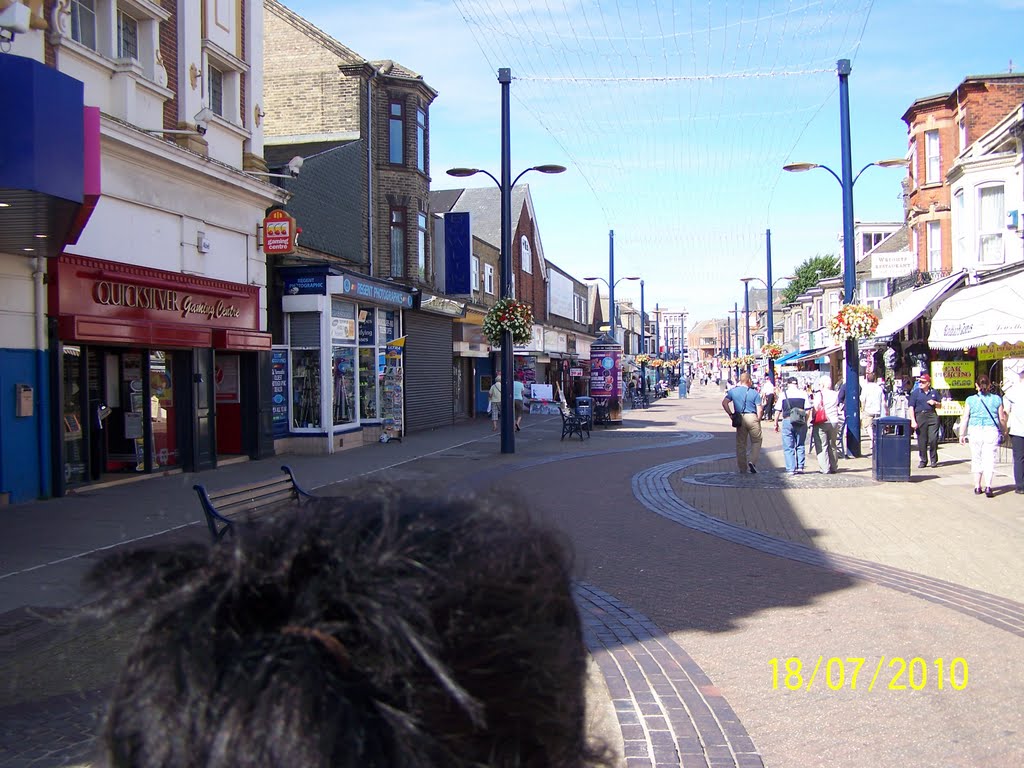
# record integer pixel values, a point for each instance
(669, 712)
(654, 490)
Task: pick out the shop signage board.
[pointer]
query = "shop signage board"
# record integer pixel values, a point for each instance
(393, 393)
(304, 281)
(1001, 351)
(575, 371)
(952, 374)
(364, 289)
(279, 233)
(279, 391)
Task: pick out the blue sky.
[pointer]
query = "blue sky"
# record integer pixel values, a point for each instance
(674, 117)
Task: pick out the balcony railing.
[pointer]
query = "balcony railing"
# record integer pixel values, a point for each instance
(915, 279)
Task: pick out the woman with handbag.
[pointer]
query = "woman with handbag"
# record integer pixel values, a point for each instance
(983, 418)
(824, 416)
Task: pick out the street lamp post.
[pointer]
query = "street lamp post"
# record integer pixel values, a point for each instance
(643, 341)
(508, 444)
(657, 340)
(746, 313)
(771, 301)
(736, 325)
(846, 182)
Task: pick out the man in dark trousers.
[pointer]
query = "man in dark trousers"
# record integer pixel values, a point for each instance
(923, 402)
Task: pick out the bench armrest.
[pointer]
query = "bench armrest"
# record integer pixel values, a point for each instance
(215, 522)
(298, 488)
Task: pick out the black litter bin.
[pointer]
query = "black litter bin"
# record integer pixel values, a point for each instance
(585, 410)
(891, 458)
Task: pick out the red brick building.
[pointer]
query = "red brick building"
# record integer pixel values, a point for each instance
(939, 129)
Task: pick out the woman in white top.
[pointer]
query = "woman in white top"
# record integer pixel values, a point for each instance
(823, 434)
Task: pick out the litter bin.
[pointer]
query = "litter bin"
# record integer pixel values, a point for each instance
(891, 458)
(585, 410)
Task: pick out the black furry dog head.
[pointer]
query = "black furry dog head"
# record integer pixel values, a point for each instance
(376, 629)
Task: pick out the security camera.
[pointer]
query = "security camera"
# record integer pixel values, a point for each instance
(202, 120)
(294, 166)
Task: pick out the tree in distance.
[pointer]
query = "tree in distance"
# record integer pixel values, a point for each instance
(810, 273)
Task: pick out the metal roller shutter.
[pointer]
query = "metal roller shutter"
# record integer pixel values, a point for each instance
(428, 371)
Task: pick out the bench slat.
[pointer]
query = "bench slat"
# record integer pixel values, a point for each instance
(252, 488)
(234, 496)
(259, 502)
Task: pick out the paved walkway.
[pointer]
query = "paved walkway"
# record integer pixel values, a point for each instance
(691, 580)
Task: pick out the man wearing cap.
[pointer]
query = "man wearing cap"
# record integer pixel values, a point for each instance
(923, 402)
(1013, 405)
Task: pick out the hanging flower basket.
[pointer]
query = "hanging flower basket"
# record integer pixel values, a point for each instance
(654, 362)
(853, 321)
(772, 350)
(643, 359)
(508, 315)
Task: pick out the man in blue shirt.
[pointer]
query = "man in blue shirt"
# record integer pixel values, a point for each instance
(922, 404)
(746, 403)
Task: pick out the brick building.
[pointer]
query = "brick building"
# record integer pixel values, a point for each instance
(363, 126)
(940, 128)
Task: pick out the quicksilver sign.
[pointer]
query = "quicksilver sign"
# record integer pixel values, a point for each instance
(162, 299)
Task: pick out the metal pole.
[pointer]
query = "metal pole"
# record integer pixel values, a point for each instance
(611, 282)
(643, 340)
(736, 325)
(771, 302)
(746, 315)
(657, 339)
(849, 262)
(508, 440)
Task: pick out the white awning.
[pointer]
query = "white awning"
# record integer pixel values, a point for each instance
(913, 305)
(990, 313)
(815, 353)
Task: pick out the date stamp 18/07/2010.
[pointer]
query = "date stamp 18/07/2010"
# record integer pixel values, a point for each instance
(894, 673)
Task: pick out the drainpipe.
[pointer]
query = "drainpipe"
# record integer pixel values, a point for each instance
(369, 170)
(38, 272)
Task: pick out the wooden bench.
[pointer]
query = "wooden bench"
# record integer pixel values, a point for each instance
(221, 507)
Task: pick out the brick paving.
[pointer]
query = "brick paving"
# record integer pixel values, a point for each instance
(652, 584)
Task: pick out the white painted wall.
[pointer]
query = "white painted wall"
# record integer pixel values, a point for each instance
(17, 302)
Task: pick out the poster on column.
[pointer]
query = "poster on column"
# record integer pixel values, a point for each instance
(604, 370)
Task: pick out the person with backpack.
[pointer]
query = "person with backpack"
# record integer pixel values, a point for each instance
(792, 414)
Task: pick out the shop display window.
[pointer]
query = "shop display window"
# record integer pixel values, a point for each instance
(161, 407)
(343, 362)
(306, 388)
(369, 373)
(75, 454)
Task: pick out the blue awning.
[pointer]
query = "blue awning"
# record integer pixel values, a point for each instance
(788, 357)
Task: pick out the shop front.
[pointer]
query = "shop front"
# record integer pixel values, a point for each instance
(153, 370)
(332, 366)
(471, 366)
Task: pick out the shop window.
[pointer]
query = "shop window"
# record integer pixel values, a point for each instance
(397, 242)
(990, 223)
(343, 369)
(161, 409)
(304, 341)
(396, 131)
(75, 453)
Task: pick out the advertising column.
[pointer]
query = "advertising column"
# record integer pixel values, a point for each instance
(605, 376)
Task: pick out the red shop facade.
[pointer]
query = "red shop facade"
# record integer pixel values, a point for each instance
(153, 371)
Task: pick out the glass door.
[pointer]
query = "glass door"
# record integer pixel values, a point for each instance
(76, 454)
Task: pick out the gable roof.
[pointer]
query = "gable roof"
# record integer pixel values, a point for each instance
(484, 207)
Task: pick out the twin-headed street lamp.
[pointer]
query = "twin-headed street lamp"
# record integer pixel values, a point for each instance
(846, 181)
(770, 300)
(508, 444)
